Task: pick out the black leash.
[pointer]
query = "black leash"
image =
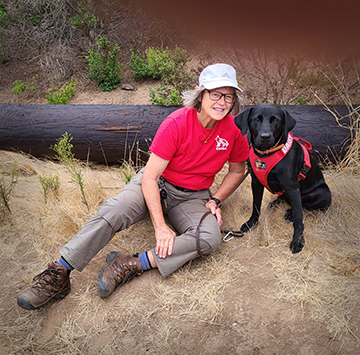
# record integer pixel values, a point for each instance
(238, 233)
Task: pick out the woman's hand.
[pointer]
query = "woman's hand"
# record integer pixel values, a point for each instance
(164, 241)
(163, 234)
(211, 205)
(231, 179)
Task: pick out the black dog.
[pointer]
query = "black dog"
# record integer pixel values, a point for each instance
(296, 182)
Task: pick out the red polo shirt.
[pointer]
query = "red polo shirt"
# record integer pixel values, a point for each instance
(193, 164)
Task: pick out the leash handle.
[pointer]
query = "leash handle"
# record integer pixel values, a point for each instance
(217, 206)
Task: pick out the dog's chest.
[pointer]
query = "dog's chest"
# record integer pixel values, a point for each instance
(262, 166)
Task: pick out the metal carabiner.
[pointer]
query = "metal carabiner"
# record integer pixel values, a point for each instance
(227, 238)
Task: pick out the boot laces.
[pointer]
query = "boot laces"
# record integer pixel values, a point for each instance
(125, 272)
(48, 277)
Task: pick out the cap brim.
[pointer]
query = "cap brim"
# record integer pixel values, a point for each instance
(220, 84)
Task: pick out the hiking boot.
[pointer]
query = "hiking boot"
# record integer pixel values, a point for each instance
(54, 282)
(119, 269)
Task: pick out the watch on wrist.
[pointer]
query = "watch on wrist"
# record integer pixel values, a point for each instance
(217, 201)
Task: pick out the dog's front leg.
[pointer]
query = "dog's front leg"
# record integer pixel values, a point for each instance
(257, 191)
(298, 241)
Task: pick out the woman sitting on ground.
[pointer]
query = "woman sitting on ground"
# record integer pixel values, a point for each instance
(190, 147)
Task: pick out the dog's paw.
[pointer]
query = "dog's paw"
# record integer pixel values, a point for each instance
(289, 216)
(247, 226)
(297, 245)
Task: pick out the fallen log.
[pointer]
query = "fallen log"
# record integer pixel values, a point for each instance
(111, 133)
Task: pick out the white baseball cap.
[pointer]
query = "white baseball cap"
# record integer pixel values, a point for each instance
(217, 76)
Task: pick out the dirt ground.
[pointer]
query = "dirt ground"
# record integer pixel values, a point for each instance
(87, 92)
(252, 317)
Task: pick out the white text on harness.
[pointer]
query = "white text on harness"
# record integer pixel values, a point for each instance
(288, 144)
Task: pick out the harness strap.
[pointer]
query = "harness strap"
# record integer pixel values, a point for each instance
(306, 146)
(263, 165)
(197, 235)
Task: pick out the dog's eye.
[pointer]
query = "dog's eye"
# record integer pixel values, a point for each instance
(274, 119)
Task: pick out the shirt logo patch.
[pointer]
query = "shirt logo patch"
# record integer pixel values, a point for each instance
(260, 164)
(221, 143)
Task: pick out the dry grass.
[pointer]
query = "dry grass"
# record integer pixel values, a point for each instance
(344, 79)
(323, 278)
(326, 274)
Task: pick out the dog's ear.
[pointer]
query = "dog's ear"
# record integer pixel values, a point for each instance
(241, 121)
(290, 123)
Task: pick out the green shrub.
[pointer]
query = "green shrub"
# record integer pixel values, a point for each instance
(151, 65)
(21, 87)
(63, 149)
(104, 68)
(127, 171)
(62, 96)
(159, 64)
(2, 10)
(84, 17)
(169, 67)
(164, 96)
(48, 184)
(138, 66)
(301, 101)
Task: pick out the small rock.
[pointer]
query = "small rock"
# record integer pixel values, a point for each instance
(127, 87)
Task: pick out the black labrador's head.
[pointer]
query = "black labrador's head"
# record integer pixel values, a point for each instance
(268, 124)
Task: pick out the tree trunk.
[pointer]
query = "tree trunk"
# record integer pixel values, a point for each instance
(111, 133)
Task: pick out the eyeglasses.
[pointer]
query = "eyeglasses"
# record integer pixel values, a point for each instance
(216, 96)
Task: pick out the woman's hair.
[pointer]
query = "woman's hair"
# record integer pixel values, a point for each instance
(193, 98)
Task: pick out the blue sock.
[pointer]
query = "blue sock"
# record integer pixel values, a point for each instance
(144, 261)
(65, 264)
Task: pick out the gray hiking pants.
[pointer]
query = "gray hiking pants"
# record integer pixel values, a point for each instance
(184, 210)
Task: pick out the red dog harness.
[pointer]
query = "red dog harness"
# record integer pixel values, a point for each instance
(262, 165)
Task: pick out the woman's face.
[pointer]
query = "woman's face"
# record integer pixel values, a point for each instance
(214, 104)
